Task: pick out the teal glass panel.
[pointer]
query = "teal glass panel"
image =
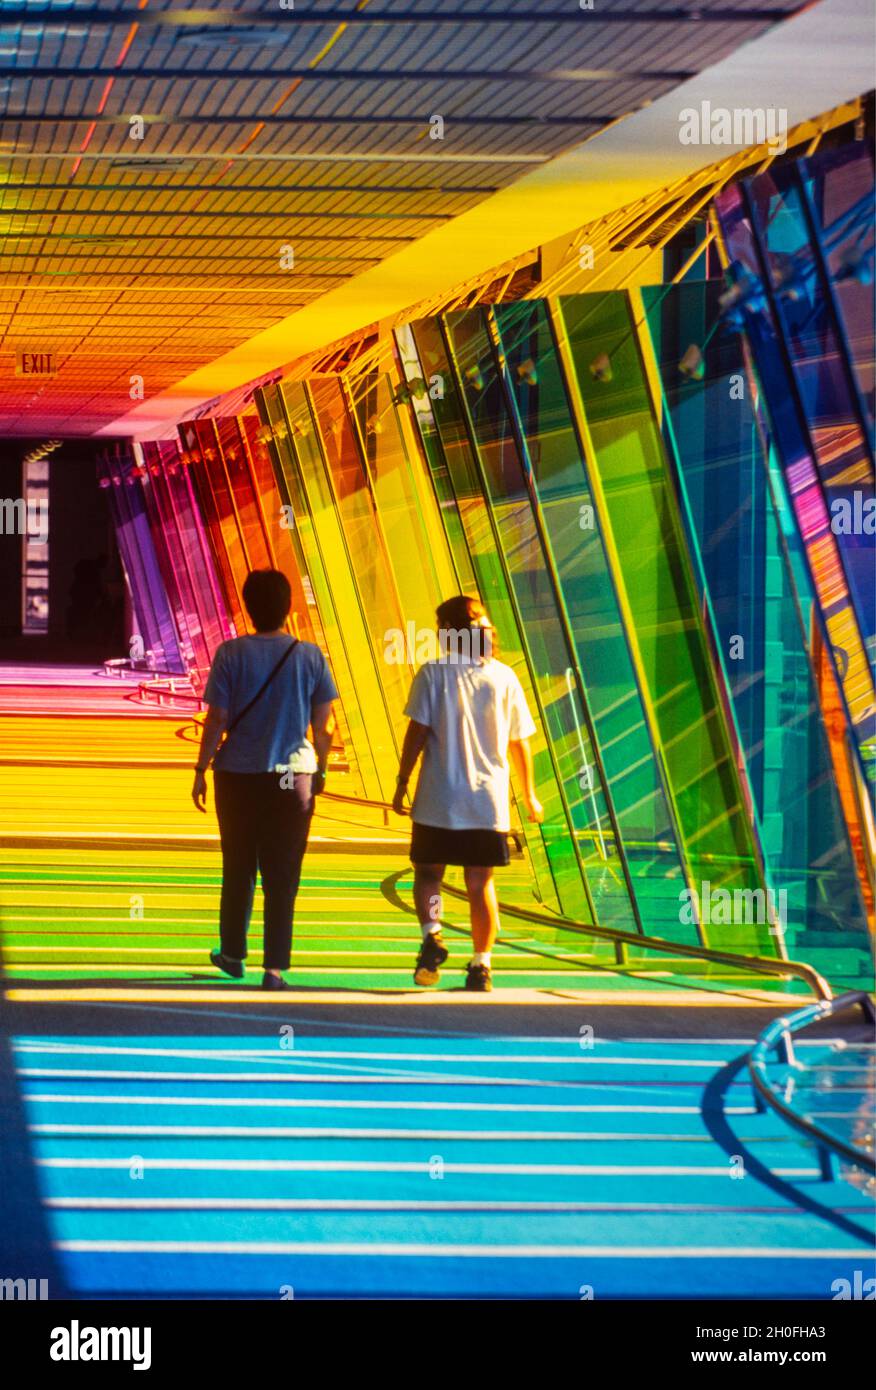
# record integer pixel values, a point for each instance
(572, 530)
(747, 582)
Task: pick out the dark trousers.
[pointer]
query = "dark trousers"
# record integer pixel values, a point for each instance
(263, 828)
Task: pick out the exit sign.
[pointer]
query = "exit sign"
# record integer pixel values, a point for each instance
(35, 363)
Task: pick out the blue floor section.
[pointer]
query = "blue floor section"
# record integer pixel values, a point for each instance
(429, 1166)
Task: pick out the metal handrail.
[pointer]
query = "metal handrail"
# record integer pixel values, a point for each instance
(759, 964)
(779, 1035)
(621, 939)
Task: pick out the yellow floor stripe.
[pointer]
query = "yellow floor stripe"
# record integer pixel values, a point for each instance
(657, 998)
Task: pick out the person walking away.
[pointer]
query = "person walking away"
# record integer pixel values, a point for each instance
(467, 714)
(263, 692)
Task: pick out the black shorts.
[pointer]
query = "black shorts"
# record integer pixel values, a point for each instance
(482, 849)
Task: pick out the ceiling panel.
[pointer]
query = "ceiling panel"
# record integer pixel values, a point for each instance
(265, 128)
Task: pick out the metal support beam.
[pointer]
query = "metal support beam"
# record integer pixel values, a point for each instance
(301, 213)
(450, 118)
(245, 20)
(273, 188)
(502, 76)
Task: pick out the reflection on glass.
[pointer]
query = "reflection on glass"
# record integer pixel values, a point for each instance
(838, 186)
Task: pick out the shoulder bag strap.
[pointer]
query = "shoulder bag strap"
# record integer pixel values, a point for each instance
(260, 692)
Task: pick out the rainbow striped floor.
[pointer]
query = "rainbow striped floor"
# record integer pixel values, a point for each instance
(584, 1131)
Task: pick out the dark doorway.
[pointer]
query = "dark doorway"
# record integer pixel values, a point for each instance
(60, 570)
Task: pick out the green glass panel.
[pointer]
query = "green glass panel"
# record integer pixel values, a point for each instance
(672, 655)
(572, 529)
(582, 805)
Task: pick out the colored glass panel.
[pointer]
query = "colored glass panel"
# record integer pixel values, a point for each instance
(573, 533)
(807, 475)
(173, 574)
(758, 632)
(304, 485)
(838, 186)
(503, 471)
(363, 547)
(414, 543)
(637, 506)
(208, 623)
(822, 375)
(470, 528)
(152, 612)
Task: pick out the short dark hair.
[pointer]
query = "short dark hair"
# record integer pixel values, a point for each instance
(268, 598)
(459, 611)
(463, 615)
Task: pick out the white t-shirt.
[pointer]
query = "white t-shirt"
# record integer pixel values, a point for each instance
(472, 710)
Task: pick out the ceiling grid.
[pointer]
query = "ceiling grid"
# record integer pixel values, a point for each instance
(265, 128)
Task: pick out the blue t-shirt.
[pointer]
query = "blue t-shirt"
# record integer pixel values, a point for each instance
(275, 729)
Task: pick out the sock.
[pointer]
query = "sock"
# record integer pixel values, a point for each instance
(481, 958)
(429, 928)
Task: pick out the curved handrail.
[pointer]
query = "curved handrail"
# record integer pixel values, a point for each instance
(174, 692)
(758, 964)
(778, 1035)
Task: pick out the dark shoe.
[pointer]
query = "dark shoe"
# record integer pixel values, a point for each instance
(275, 982)
(433, 953)
(235, 968)
(478, 979)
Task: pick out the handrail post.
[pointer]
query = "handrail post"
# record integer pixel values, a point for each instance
(826, 1163)
(785, 1047)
